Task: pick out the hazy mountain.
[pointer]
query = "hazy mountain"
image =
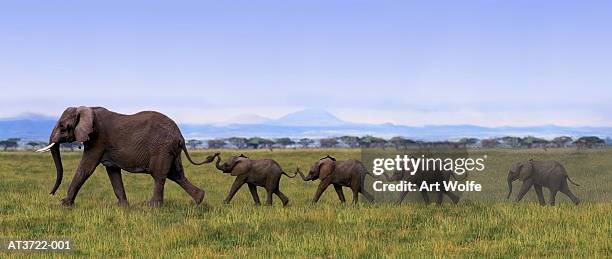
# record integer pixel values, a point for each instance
(315, 124)
(309, 117)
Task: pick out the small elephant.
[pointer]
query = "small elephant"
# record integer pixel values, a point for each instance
(430, 177)
(262, 172)
(349, 173)
(550, 174)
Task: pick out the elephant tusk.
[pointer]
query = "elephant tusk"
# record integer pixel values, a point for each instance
(46, 149)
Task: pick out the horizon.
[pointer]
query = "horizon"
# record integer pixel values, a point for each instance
(490, 63)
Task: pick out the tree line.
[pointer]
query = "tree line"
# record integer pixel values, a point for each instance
(348, 141)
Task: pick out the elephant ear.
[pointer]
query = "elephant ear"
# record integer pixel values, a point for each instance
(240, 166)
(84, 125)
(326, 168)
(526, 170)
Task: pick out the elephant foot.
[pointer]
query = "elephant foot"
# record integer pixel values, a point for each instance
(67, 202)
(155, 203)
(123, 203)
(199, 197)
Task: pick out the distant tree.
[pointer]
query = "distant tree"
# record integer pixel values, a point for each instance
(468, 141)
(350, 141)
(328, 142)
(401, 142)
(284, 142)
(240, 143)
(254, 142)
(193, 143)
(370, 141)
(71, 145)
(11, 143)
(531, 141)
(589, 142)
(489, 143)
(305, 142)
(267, 143)
(562, 141)
(34, 144)
(512, 141)
(216, 143)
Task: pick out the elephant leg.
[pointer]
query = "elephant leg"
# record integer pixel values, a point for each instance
(269, 197)
(439, 197)
(159, 168)
(177, 175)
(322, 186)
(569, 194)
(524, 189)
(355, 195)
(425, 197)
(452, 196)
(538, 190)
(402, 197)
(235, 187)
(114, 174)
(368, 196)
(340, 193)
(553, 194)
(282, 196)
(253, 190)
(87, 166)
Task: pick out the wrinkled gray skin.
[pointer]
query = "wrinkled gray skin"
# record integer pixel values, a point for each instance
(265, 173)
(549, 174)
(349, 173)
(146, 142)
(429, 177)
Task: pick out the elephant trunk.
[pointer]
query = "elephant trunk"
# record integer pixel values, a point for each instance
(305, 178)
(218, 164)
(57, 159)
(510, 180)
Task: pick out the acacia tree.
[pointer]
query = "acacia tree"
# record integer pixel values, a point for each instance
(239, 142)
(284, 142)
(350, 141)
(328, 142)
(193, 143)
(9, 143)
(305, 142)
(216, 143)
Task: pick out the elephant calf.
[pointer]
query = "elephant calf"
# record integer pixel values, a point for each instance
(349, 173)
(550, 174)
(263, 172)
(430, 177)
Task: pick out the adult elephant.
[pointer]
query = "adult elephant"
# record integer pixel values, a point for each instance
(145, 142)
(549, 174)
(349, 173)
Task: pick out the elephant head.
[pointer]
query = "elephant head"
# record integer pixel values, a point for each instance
(234, 165)
(321, 169)
(520, 170)
(75, 124)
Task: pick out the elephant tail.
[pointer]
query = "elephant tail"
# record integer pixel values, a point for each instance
(208, 159)
(568, 178)
(294, 175)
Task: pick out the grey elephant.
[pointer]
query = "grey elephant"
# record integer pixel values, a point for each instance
(349, 173)
(549, 174)
(145, 142)
(261, 172)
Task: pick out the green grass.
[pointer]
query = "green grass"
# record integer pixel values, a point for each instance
(482, 224)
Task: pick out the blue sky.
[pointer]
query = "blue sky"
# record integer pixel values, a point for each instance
(489, 63)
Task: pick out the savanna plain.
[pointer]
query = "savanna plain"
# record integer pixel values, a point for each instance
(482, 224)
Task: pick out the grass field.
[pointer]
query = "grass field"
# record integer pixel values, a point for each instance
(482, 224)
